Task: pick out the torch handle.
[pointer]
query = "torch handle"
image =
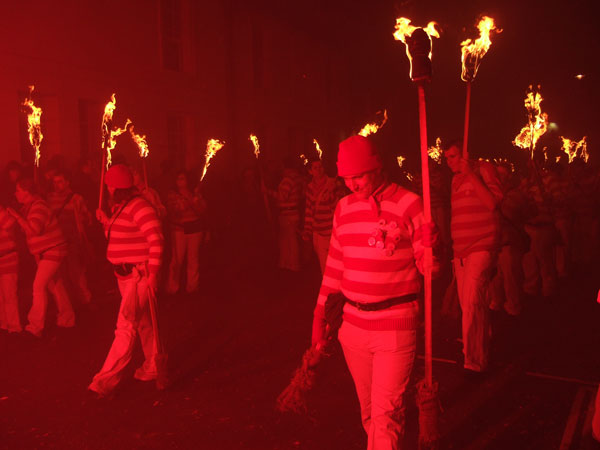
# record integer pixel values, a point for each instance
(145, 173)
(465, 149)
(428, 256)
(102, 171)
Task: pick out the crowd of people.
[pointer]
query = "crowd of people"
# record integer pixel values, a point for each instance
(503, 234)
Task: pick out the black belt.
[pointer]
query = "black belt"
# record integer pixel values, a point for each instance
(123, 269)
(388, 303)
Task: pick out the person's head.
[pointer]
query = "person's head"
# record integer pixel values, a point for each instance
(60, 182)
(119, 182)
(25, 191)
(453, 155)
(316, 169)
(14, 171)
(183, 180)
(359, 164)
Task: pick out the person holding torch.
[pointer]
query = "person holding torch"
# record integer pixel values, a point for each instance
(135, 247)
(376, 255)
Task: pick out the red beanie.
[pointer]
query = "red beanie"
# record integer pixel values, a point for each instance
(357, 155)
(119, 177)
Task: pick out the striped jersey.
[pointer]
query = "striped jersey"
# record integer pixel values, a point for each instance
(9, 259)
(71, 211)
(289, 193)
(473, 226)
(45, 231)
(134, 235)
(321, 199)
(376, 253)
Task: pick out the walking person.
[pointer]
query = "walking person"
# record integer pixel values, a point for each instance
(475, 229)
(375, 259)
(135, 247)
(47, 243)
(9, 265)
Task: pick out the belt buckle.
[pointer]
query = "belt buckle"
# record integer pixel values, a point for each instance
(360, 306)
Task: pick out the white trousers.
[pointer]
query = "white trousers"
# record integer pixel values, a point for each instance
(185, 247)
(134, 320)
(49, 277)
(321, 245)
(9, 303)
(380, 363)
(472, 282)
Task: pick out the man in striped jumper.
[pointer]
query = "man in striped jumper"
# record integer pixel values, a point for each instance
(135, 246)
(49, 247)
(376, 255)
(9, 264)
(322, 194)
(475, 229)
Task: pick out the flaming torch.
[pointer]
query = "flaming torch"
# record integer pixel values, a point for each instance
(372, 128)
(435, 151)
(472, 54)
(537, 122)
(256, 145)
(212, 147)
(34, 127)
(144, 150)
(571, 148)
(107, 118)
(418, 42)
(318, 149)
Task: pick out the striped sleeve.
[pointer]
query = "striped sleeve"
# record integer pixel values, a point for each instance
(144, 216)
(310, 208)
(38, 215)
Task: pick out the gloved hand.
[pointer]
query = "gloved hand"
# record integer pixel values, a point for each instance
(319, 331)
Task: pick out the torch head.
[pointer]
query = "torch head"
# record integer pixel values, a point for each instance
(419, 48)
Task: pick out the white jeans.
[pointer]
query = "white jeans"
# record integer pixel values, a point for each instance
(185, 246)
(9, 303)
(472, 282)
(321, 245)
(380, 363)
(134, 319)
(49, 277)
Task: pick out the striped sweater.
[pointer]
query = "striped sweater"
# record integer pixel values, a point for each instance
(375, 254)
(71, 211)
(9, 260)
(473, 226)
(321, 200)
(289, 193)
(45, 231)
(135, 235)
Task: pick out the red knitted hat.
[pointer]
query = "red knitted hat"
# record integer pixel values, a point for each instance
(119, 176)
(357, 155)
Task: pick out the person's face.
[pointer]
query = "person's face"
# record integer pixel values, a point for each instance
(181, 181)
(22, 195)
(316, 169)
(364, 185)
(14, 175)
(453, 158)
(60, 184)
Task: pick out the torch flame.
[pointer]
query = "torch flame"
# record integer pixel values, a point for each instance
(538, 122)
(140, 142)
(254, 140)
(212, 147)
(112, 143)
(34, 125)
(404, 29)
(435, 151)
(400, 160)
(304, 159)
(372, 128)
(571, 148)
(318, 149)
(474, 51)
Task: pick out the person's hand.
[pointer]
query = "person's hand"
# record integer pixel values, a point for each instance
(101, 216)
(429, 234)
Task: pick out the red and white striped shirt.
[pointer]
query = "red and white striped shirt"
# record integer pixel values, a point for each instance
(474, 227)
(135, 235)
(9, 259)
(321, 200)
(45, 232)
(289, 193)
(376, 253)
